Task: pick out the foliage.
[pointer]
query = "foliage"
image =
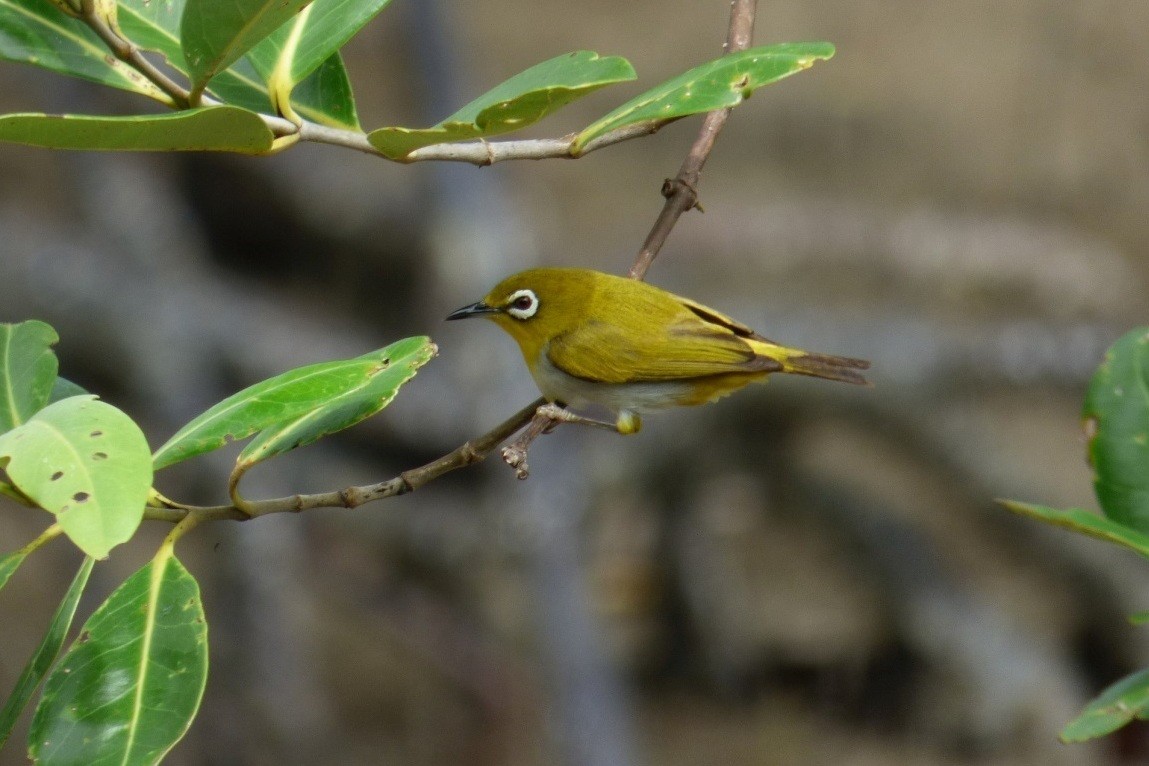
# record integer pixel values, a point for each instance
(255, 77)
(250, 77)
(1116, 416)
(130, 685)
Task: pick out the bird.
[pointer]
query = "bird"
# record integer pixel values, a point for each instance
(591, 338)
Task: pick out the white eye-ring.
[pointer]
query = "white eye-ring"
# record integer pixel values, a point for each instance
(522, 304)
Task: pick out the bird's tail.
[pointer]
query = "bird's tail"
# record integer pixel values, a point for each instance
(800, 362)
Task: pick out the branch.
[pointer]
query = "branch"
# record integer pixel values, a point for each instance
(681, 195)
(475, 152)
(472, 451)
(681, 192)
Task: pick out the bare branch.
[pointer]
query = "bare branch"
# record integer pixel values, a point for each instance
(681, 192)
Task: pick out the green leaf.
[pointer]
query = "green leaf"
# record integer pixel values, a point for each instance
(87, 463)
(1116, 706)
(216, 33)
(36, 32)
(285, 399)
(9, 563)
(1085, 523)
(718, 84)
(1117, 418)
(62, 388)
(216, 128)
(1139, 618)
(307, 42)
(27, 370)
(128, 688)
(155, 26)
(522, 100)
(323, 97)
(343, 410)
(45, 653)
(10, 492)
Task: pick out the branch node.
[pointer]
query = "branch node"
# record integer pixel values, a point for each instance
(407, 482)
(469, 455)
(515, 456)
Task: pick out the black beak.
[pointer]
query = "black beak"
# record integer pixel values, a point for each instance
(475, 309)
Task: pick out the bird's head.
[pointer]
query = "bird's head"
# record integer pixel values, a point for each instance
(536, 305)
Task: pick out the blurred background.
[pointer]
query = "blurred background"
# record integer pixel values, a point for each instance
(805, 573)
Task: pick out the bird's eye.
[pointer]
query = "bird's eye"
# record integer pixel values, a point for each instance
(523, 304)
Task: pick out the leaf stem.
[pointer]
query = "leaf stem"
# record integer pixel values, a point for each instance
(47, 536)
(475, 152)
(128, 52)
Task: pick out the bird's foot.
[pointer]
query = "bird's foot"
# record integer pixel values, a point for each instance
(547, 417)
(559, 414)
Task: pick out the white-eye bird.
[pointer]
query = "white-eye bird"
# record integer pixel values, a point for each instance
(594, 338)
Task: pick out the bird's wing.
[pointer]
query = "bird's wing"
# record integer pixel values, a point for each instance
(689, 346)
(711, 316)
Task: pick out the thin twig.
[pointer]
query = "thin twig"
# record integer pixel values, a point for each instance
(466, 454)
(681, 192)
(127, 52)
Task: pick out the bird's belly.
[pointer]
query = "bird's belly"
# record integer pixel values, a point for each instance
(557, 385)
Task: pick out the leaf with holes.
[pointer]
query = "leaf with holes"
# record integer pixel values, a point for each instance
(127, 689)
(718, 84)
(522, 100)
(1121, 703)
(344, 410)
(27, 370)
(36, 32)
(86, 462)
(45, 653)
(286, 398)
(1116, 413)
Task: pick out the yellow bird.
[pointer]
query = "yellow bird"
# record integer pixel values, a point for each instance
(593, 338)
